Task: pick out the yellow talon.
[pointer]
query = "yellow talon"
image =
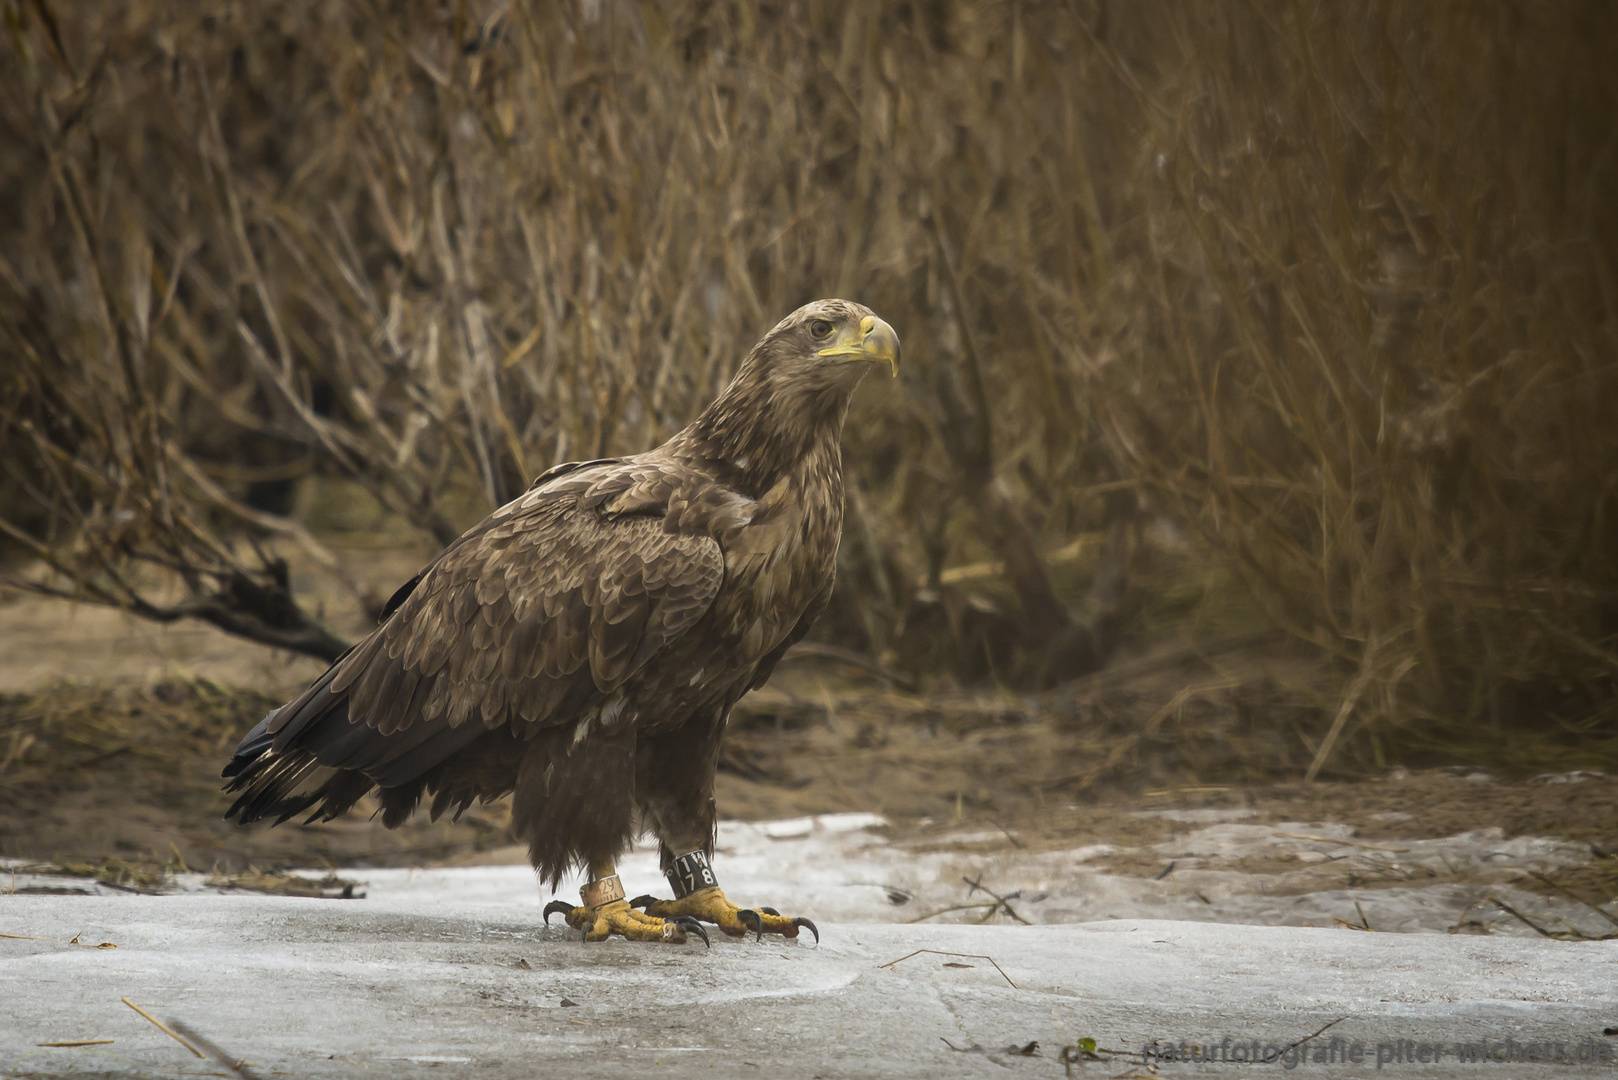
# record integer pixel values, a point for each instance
(617, 917)
(710, 905)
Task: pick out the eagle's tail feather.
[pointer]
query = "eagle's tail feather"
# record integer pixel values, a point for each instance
(269, 780)
(251, 748)
(310, 755)
(272, 790)
(268, 785)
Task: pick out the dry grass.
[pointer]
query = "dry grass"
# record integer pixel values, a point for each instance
(1390, 314)
(1330, 288)
(122, 784)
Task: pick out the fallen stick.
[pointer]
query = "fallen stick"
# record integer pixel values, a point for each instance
(1367, 844)
(59, 941)
(968, 955)
(1571, 895)
(165, 1029)
(79, 1042)
(1316, 1034)
(990, 904)
(1573, 934)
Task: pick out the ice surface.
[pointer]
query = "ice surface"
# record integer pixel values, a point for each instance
(450, 972)
(380, 987)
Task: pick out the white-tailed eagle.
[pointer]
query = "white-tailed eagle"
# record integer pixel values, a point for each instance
(581, 647)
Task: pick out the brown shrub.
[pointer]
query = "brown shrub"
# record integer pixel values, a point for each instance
(1333, 285)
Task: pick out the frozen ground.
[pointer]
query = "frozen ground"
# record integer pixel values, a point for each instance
(842, 867)
(449, 972)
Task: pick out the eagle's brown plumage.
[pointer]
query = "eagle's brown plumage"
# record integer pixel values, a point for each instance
(582, 646)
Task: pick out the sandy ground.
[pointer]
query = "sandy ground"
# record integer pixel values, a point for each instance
(49, 641)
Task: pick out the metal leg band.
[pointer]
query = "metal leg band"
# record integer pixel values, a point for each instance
(601, 891)
(689, 873)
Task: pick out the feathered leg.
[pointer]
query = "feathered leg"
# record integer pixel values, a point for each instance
(575, 803)
(675, 777)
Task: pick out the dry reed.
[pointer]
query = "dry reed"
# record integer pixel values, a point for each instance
(1333, 285)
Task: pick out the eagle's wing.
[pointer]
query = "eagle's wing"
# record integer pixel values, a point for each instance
(534, 617)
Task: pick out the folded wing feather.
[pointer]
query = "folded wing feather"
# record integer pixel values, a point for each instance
(537, 614)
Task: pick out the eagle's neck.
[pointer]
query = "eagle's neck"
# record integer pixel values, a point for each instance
(762, 428)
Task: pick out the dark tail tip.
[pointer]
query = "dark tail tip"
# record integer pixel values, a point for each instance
(252, 747)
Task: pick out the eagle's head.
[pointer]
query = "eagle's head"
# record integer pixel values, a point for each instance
(791, 393)
(827, 342)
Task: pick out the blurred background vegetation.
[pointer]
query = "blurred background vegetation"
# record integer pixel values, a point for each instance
(1276, 324)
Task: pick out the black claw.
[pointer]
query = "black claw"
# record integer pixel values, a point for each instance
(800, 921)
(770, 911)
(643, 901)
(554, 906)
(749, 917)
(691, 926)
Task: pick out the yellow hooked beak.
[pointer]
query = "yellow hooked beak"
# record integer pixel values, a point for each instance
(875, 342)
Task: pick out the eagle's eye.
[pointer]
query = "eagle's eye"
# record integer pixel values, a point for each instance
(819, 327)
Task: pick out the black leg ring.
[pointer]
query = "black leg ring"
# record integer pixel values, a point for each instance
(689, 873)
